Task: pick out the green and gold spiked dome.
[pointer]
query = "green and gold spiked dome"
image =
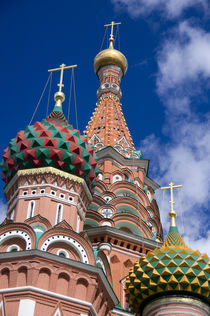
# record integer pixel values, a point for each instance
(174, 268)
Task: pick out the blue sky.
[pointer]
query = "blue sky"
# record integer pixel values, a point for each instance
(165, 91)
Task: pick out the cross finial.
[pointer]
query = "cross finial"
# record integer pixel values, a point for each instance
(112, 24)
(62, 67)
(172, 213)
(59, 96)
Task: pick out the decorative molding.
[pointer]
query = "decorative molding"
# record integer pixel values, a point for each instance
(48, 170)
(87, 268)
(17, 233)
(116, 233)
(69, 240)
(53, 294)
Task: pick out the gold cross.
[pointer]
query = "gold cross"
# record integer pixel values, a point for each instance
(171, 187)
(112, 27)
(62, 67)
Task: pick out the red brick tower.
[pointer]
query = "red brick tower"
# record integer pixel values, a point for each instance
(123, 217)
(47, 264)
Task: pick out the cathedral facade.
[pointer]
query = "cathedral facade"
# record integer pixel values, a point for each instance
(81, 212)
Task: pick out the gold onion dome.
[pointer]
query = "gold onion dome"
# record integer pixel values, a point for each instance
(172, 269)
(110, 56)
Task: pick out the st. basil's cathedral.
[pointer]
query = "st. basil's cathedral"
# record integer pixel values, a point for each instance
(82, 234)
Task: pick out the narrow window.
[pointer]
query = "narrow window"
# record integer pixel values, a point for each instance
(59, 213)
(78, 223)
(31, 207)
(126, 177)
(12, 214)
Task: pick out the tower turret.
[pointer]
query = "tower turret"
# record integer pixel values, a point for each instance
(49, 165)
(173, 279)
(123, 216)
(107, 126)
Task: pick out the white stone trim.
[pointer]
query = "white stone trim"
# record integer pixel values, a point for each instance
(57, 312)
(11, 247)
(69, 240)
(26, 307)
(17, 233)
(100, 261)
(121, 313)
(105, 246)
(59, 296)
(2, 308)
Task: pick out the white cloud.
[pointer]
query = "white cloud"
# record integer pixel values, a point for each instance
(3, 209)
(169, 9)
(184, 63)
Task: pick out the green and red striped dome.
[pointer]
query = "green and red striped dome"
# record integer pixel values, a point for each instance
(51, 142)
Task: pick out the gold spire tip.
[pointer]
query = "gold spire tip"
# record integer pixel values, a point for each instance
(172, 212)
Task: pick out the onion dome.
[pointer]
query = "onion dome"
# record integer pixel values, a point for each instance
(51, 142)
(110, 56)
(172, 269)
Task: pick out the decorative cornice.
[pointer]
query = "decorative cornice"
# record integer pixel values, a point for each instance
(72, 263)
(49, 170)
(116, 233)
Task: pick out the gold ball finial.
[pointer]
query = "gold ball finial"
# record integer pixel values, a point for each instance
(111, 56)
(59, 98)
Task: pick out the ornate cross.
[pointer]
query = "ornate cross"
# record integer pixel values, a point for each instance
(171, 187)
(62, 67)
(112, 27)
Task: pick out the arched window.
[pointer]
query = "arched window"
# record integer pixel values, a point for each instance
(63, 253)
(59, 214)
(13, 248)
(31, 207)
(126, 177)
